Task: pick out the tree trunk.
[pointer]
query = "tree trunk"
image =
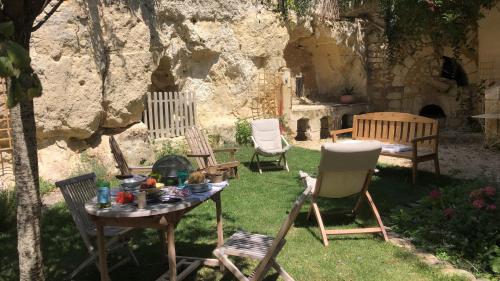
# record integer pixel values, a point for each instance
(25, 162)
(27, 192)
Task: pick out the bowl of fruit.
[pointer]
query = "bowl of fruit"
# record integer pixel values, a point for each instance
(197, 182)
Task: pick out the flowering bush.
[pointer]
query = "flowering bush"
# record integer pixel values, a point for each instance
(462, 221)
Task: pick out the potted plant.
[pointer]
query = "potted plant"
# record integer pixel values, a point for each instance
(347, 95)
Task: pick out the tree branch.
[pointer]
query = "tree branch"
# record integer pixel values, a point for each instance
(47, 15)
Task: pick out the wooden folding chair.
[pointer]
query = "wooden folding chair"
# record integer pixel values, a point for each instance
(345, 170)
(122, 165)
(259, 247)
(76, 192)
(205, 155)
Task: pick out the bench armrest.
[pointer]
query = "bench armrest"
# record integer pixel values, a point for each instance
(334, 133)
(415, 141)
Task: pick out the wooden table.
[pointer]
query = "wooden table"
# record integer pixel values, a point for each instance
(164, 217)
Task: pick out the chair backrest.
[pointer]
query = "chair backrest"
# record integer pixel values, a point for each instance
(119, 158)
(198, 144)
(275, 248)
(76, 192)
(394, 127)
(266, 133)
(344, 167)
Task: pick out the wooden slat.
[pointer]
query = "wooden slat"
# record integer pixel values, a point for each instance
(366, 131)
(404, 132)
(373, 127)
(150, 116)
(392, 131)
(412, 132)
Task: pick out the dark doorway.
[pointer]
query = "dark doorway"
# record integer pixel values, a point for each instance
(435, 112)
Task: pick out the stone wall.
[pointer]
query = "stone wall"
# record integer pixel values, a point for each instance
(416, 81)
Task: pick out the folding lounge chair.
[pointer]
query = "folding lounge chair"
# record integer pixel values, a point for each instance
(205, 155)
(124, 168)
(345, 170)
(259, 247)
(76, 191)
(268, 141)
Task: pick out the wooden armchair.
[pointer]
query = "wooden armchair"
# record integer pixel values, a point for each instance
(122, 165)
(205, 155)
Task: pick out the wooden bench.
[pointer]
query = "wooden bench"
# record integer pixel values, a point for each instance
(421, 133)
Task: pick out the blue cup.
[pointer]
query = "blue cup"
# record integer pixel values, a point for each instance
(182, 176)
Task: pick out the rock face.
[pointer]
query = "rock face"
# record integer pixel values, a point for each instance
(97, 59)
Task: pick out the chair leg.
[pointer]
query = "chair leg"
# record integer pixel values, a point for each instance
(309, 213)
(281, 271)
(258, 163)
(229, 265)
(436, 166)
(253, 156)
(320, 223)
(91, 258)
(132, 255)
(414, 171)
(286, 163)
(236, 175)
(377, 215)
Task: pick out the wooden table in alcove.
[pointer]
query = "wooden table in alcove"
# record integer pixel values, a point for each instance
(161, 216)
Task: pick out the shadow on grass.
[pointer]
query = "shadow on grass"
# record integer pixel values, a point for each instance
(390, 188)
(266, 165)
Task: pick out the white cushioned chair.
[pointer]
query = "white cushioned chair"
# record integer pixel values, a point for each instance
(268, 141)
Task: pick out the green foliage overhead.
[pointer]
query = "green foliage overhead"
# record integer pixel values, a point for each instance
(441, 22)
(15, 66)
(409, 23)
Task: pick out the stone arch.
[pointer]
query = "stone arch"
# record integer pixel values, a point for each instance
(303, 129)
(326, 124)
(346, 121)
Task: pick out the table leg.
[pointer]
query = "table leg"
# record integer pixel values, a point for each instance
(101, 245)
(220, 230)
(172, 263)
(162, 236)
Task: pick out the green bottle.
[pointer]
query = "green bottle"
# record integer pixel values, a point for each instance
(103, 194)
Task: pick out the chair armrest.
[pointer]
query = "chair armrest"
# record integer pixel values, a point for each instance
(197, 155)
(255, 145)
(226, 149)
(415, 140)
(230, 150)
(140, 169)
(334, 133)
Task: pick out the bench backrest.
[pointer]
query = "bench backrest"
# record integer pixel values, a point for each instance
(394, 127)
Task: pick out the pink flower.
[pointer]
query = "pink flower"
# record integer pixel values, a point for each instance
(476, 194)
(478, 203)
(491, 207)
(435, 194)
(449, 213)
(489, 190)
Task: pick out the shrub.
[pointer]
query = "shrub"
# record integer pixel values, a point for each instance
(7, 210)
(46, 186)
(459, 222)
(169, 148)
(243, 131)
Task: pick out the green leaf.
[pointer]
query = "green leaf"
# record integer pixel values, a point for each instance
(495, 265)
(19, 57)
(6, 68)
(7, 28)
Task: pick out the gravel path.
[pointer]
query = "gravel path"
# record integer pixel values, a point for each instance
(466, 161)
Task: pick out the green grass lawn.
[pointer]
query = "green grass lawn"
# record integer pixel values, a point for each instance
(255, 203)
